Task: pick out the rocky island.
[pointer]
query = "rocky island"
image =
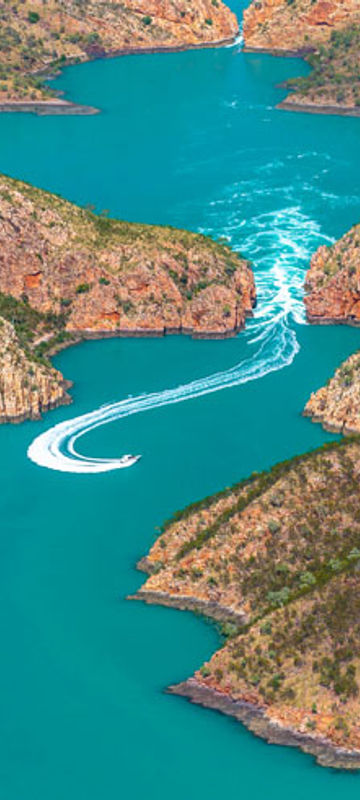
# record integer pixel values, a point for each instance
(38, 38)
(68, 274)
(327, 34)
(276, 560)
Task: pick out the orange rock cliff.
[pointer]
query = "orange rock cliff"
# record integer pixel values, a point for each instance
(73, 274)
(283, 26)
(333, 282)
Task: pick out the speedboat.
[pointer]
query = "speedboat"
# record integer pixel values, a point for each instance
(128, 460)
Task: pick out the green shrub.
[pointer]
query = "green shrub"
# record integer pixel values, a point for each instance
(82, 288)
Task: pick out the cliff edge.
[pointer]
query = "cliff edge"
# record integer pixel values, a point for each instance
(276, 560)
(332, 282)
(72, 274)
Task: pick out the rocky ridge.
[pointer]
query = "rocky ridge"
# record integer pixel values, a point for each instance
(38, 38)
(276, 558)
(75, 275)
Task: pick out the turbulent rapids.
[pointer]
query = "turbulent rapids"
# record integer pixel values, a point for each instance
(279, 243)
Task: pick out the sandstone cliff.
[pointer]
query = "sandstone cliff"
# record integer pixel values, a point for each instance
(327, 34)
(276, 558)
(27, 386)
(333, 282)
(291, 27)
(337, 405)
(108, 276)
(72, 274)
(39, 37)
(333, 296)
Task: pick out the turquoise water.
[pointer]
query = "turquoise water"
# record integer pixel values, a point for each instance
(191, 139)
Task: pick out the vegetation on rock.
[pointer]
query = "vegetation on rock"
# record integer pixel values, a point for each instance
(280, 555)
(66, 273)
(29, 384)
(37, 38)
(334, 81)
(326, 33)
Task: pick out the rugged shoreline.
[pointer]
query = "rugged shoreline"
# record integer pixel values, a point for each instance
(254, 718)
(210, 610)
(305, 108)
(42, 108)
(69, 108)
(33, 416)
(341, 111)
(275, 559)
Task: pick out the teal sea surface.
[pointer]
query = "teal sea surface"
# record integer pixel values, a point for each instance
(193, 140)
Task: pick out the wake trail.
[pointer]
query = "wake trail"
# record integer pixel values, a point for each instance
(279, 243)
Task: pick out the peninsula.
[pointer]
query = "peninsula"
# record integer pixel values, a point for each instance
(68, 274)
(276, 560)
(37, 39)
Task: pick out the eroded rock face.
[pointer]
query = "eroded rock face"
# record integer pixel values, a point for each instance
(112, 277)
(337, 405)
(282, 26)
(333, 296)
(333, 281)
(280, 553)
(67, 274)
(27, 387)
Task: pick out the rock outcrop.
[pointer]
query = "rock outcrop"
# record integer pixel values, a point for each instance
(333, 282)
(327, 34)
(333, 296)
(27, 386)
(294, 27)
(111, 277)
(72, 274)
(38, 37)
(337, 405)
(276, 558)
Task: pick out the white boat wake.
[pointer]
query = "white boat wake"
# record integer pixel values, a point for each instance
(280, 244)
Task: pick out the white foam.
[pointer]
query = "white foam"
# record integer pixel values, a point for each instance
(55, 448)
(280, 243)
